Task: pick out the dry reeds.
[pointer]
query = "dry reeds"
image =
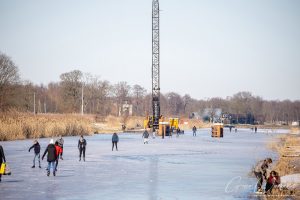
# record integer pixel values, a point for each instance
(17, 125)
(287, 145)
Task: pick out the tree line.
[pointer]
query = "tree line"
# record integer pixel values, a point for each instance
(103, 98)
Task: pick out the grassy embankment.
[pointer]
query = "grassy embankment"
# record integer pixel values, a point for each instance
(288, 148)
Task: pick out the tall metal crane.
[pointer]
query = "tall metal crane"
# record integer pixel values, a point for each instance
(155, 64)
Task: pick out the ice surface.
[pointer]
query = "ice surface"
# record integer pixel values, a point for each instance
(186, 167)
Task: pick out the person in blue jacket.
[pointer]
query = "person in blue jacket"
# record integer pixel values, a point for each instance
(115, 140)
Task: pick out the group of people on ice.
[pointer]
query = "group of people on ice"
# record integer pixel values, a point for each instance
(54, 152)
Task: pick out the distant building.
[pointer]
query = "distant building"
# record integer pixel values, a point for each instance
(215, 115)
(212, 114)
(228, 118)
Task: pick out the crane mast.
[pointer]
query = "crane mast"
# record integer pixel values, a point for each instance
(155, 64)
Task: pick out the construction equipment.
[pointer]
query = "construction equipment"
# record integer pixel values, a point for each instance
(174, 122)
(156, 121)
(153, 121)
(155, 65)
(148, 122)
(217, 130)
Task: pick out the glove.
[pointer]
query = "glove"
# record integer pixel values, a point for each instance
(43, 158)
(28, 150)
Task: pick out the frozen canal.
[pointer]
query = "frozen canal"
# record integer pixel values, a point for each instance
(174, 168)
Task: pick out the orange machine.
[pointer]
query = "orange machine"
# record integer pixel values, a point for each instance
(217, 130)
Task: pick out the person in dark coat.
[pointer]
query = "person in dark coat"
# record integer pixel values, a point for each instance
(178, 131)
(115, 140)
(37, 148)
(81, 147)
(2, 158)
(194, 131)
(51, 157)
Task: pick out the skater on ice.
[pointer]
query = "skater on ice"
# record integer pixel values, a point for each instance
(37, 148)
(60, 142)
(115, 140)
(58, 152)
(81, 147)
(51, 157)
(145, 136)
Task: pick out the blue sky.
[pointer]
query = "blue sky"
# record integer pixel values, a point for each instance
(211, 48)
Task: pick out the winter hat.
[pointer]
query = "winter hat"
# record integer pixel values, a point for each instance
(51, 141)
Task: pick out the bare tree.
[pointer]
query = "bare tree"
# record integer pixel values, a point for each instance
(71, 83)
(9, 77)
(175, 103)
(121, 93)
(186, 101)
(137, 98)
(55, 99)
(96, 95)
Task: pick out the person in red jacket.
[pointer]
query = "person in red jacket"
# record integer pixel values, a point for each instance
(274, 179)
(58, 152)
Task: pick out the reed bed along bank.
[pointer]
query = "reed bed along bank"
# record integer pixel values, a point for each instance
(287, 147)
(17, 125)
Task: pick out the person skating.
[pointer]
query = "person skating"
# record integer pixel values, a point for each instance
(81, 147)
(60, 142)
(115, 140)
(58, 152)
(178, 131)
(153, 134)
(255, 129)
(145, 136)
(51, 157)
(260, 172)
(194, 131)
(37, 148)
(2, 158)
(274, 179)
